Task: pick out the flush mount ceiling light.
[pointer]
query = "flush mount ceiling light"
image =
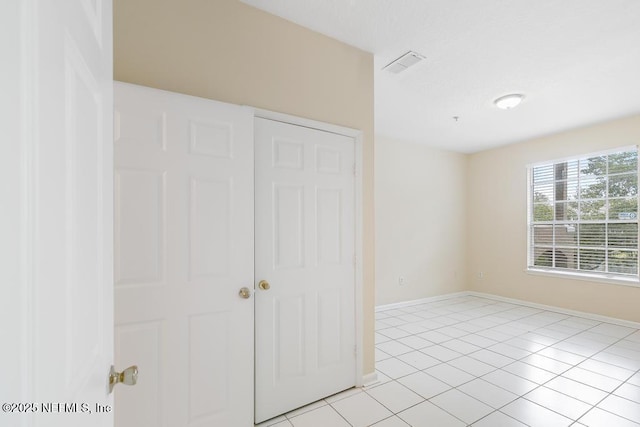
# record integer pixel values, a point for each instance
(510, 101)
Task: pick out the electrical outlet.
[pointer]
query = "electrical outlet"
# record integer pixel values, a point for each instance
(480, 275)
(401, 281)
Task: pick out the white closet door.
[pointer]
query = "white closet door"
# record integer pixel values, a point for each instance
(305, 240)
(184, 249)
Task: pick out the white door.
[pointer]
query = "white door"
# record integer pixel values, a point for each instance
(58, 186)
(184, 249)
(305, 251)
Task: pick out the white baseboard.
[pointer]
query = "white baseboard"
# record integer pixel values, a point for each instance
(370, 379)
(561, 310)
(592, 316)
(420, 301)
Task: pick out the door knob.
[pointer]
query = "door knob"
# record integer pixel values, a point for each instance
(244, 293)
(129, 377)
(264, 285)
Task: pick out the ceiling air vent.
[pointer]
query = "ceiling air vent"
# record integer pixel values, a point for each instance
(405, 61)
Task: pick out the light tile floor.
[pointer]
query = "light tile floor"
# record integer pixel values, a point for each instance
(470, 361)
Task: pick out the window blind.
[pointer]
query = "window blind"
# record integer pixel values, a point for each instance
(583, 214)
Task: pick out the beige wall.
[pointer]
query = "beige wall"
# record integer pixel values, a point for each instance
(230, 52)
(420, 197)
(497, 210)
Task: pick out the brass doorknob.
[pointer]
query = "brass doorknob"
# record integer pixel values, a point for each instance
(244, 293)
(129, 377)
(264, 285)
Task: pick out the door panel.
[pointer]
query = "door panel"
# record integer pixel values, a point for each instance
(140, 251)
(288, 236)
(210, 225)
(184, 248)
(329, 226)
(305, 249)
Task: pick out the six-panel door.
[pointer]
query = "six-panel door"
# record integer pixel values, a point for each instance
(184, 245)
(184, 249)
(305, 250)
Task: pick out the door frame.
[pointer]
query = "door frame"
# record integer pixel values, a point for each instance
(357, 139)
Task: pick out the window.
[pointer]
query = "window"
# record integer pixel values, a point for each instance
(583, 215)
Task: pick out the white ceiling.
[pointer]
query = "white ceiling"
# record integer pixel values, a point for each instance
(576, 61)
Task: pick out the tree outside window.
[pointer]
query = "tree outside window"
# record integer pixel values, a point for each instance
(583, 214)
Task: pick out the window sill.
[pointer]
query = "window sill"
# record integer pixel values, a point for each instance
(631, 281)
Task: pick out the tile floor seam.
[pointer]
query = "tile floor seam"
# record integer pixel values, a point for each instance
(341, 416)
(573, 397)
(591, 358)
(497, 410)
(454, 416)
(608, 395)
(602, 409)
(553, 410)
(510, 416)
(396, 413)
(500, 407)
(297, 410)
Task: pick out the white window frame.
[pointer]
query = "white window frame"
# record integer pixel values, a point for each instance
(604, 277)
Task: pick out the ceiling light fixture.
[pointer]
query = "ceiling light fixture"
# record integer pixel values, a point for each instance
(510, 101)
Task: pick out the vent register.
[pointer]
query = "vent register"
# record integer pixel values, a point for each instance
(405, 61)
